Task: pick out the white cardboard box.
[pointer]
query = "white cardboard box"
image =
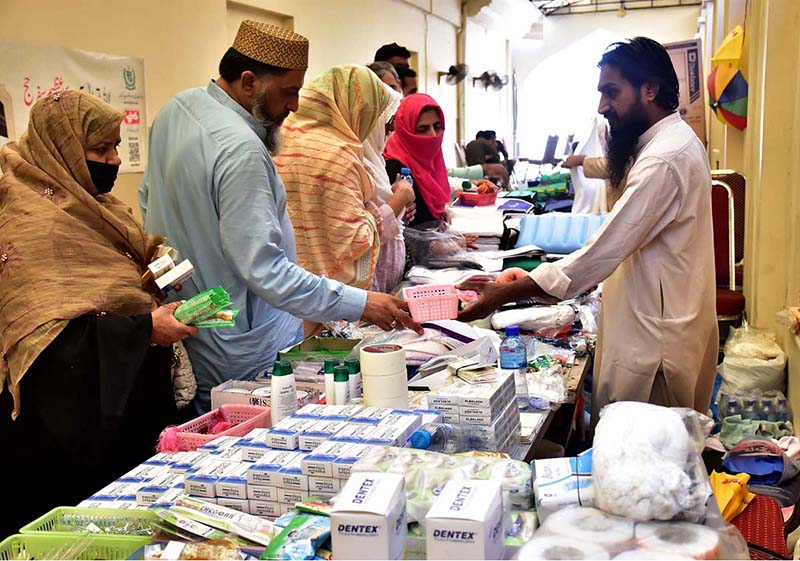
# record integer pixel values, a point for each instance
(242, 505)
(286, 434)
(368, 520)
(321, 431)
(466, 521)
(325, 485)
(262, 493)
(265, 508)
(320, 461)
(265, 471)
(233, 483)
(222, 394)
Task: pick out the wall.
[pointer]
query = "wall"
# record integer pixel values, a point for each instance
(725, 144)
(183, 40)
(771, 145)
(487, 108)
(579, 34)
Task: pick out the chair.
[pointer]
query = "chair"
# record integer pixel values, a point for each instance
(737, 182)
(730, 303)
(568, 145)
(549, 156)
(461, 155)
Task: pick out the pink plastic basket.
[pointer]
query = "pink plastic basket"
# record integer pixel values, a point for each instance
(432, 301)
(244, 418)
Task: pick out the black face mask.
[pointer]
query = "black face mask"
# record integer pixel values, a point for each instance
(103, 175)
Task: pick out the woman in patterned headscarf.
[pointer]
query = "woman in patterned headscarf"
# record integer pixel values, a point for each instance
(80, 339)
(339, 221)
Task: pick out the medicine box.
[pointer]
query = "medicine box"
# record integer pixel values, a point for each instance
(368, 521)
(466, 521)
(321, 431)
(265, 470)
(262, 493)
(271, 509)
(286, 434)
(320, 461)
(233, 483)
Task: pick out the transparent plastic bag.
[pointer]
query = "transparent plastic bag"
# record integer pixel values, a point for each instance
(646, 462)
(436, 246)
(589, 533)
(548, 384)
(426, 474)
(790, 319)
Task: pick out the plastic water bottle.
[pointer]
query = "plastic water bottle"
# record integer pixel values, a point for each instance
(438, 437)
(405, 173)
(766, 409)
(782, 413)
(514, 359)
(749, 409)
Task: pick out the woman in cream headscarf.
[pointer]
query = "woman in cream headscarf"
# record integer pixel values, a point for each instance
(79, 336)
(342, 217)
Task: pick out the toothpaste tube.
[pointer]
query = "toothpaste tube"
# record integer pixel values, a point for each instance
(243, 525)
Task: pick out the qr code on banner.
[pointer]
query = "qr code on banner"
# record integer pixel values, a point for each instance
(133, 152)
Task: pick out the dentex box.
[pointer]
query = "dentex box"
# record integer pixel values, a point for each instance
(466, 521)
(368, 520)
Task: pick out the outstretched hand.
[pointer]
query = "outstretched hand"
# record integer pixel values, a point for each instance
(491, 298)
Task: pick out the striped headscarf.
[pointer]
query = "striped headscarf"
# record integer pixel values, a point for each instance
(330, 193)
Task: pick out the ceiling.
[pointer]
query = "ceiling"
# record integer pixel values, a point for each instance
(572, 7)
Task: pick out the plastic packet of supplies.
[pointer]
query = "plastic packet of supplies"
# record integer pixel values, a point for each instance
(204, 306)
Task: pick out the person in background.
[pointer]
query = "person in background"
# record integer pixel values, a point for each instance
(654, 254)
(331, 195)
(86, 350)
(594, 167)
(392, 258)
(212, 187)
(408, 80)
(486, 149)
(387, 73)
(417, 144)
(393, 54)
(483, 150)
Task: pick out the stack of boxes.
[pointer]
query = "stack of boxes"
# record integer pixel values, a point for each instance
(265, 473)
(487, 412)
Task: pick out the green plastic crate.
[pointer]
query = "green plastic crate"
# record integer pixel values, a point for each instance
(49, 546)
(73, 520)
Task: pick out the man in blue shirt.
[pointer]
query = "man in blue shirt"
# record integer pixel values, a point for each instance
(211, 187)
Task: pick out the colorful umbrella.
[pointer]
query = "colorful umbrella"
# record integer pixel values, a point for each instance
(727, 87)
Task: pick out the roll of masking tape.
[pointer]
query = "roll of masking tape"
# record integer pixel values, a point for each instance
(383, 376)
(391, 387)
(382, 360)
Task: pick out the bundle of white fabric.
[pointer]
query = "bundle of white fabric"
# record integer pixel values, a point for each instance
(536, 319)
(646, 463)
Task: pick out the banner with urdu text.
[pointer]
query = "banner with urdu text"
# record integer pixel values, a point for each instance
(29, 72)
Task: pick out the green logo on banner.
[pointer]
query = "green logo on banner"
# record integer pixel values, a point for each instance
(130, 78)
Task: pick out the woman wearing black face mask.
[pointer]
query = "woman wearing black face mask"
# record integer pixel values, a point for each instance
(85, 351)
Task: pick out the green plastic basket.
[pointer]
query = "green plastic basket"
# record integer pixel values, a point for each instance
(49, 546)
(73, 520)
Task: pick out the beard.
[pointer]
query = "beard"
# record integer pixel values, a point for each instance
(273, 125)
(622, 142)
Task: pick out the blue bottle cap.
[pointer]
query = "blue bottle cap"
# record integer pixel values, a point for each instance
(512, 331)
(420, 439)
(405, 171)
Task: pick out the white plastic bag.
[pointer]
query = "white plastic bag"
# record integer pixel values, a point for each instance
(753, 361)
(536, 319)
(646, 462)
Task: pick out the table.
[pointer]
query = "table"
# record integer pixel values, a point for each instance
(575, 380)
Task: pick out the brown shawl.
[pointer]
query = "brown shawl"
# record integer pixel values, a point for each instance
(65, 250)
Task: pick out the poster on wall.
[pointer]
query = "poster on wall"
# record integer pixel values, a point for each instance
(30, 72)
(687, 58)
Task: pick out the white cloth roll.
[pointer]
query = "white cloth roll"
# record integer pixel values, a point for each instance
(590, 525)
(560, 547)
(678, 538)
